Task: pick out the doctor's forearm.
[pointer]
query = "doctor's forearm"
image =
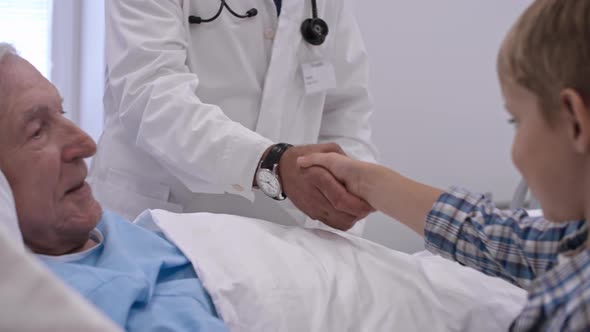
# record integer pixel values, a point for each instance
(399, 197)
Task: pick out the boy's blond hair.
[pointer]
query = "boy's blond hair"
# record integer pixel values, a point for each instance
(548, 50)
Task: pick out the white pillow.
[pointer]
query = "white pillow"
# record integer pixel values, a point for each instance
(268, 277)
(8, 219)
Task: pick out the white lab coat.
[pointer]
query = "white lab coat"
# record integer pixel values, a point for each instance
(191, 108)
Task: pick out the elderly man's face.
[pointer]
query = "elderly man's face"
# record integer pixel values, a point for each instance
(41, 154)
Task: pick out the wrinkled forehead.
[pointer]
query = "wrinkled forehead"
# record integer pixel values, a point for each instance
(22, 88)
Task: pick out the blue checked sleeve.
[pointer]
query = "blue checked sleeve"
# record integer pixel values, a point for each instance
(469, 229)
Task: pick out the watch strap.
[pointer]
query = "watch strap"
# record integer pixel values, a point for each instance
(274, 155)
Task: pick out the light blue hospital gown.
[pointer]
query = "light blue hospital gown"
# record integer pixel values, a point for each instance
(138, 279)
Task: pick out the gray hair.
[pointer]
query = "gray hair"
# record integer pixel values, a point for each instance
(6, 49)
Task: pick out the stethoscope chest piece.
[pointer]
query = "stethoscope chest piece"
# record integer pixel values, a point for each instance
(314, 31)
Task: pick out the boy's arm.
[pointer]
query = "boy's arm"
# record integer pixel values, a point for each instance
(384, 189)
(468, 228)
(457, 224)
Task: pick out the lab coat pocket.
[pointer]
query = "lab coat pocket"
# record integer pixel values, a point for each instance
(129, 195)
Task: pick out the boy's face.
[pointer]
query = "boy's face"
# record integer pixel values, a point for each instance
(543, 152)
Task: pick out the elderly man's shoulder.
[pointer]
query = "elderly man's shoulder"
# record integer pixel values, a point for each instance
(129, 268)
(143, 223)
(124, 254)
(131, 236)
(122, 248)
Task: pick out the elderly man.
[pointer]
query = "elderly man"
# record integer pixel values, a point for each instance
(139, 279)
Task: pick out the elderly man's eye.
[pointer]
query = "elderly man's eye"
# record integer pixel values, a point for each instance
(38, 133)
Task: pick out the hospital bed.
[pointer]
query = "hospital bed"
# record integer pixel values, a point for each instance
(268, 277)
(264, 276)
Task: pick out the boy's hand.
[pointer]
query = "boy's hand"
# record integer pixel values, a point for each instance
(346, 170)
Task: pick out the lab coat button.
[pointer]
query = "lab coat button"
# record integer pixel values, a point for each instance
(238, 188)
(269, 34)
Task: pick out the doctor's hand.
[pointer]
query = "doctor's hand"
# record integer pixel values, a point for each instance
(316, 191)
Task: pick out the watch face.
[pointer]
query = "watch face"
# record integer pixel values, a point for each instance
(268, 183)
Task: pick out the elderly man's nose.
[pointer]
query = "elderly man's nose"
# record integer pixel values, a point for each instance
(79, 145)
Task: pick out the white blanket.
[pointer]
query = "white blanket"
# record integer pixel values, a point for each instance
(267, 277)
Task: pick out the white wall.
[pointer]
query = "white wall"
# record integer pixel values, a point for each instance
(439, 115)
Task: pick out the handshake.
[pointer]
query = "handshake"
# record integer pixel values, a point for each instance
(320, 180)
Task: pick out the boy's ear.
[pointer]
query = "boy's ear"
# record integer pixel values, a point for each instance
(578, 118)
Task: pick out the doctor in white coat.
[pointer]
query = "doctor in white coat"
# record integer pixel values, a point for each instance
(197, 99)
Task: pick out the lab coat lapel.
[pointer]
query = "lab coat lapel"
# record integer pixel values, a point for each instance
(284, 60)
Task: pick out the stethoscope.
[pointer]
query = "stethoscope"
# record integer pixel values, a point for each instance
(314, 30)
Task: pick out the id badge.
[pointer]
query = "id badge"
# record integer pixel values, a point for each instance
(318, 76)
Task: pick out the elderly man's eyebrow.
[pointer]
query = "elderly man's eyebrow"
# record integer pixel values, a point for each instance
(34, 113)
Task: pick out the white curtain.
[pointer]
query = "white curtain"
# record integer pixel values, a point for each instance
(78, 60)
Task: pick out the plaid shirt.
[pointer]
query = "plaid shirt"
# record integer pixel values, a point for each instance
(467, 228)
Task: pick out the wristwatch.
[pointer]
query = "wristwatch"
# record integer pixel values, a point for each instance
(267, 177)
